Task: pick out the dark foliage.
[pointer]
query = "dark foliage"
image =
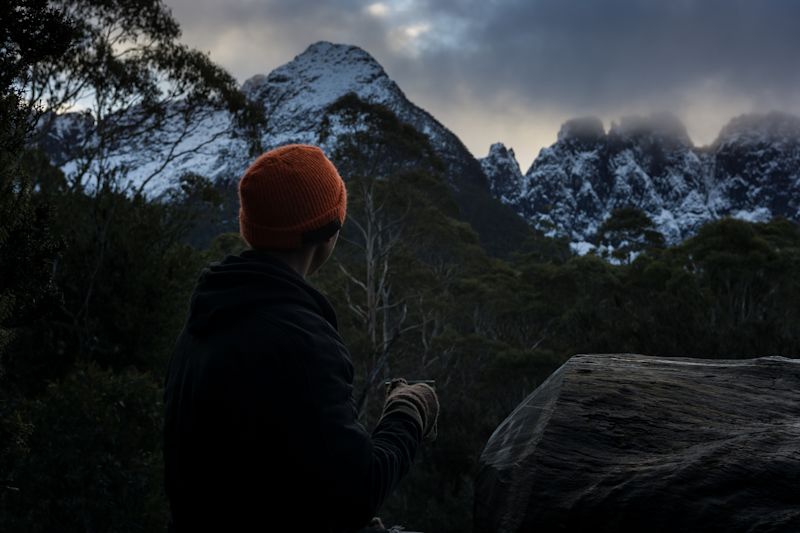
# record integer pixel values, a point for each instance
(89, 457)
(93, 287)
(626, 233)
(32, 31)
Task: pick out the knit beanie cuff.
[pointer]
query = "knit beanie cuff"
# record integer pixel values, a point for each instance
(289, 238)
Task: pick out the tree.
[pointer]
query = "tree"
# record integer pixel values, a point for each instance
(748, 276)
(92, 274)
(147, 100)
(32, 32)
(370, 152)
(88, 458)
(124, 64)
(627, 232)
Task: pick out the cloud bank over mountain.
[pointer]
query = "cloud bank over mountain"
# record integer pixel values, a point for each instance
(515, 70)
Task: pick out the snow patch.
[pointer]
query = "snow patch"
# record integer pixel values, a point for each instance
(582, 247)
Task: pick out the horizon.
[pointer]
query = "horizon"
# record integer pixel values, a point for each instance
(514, 72)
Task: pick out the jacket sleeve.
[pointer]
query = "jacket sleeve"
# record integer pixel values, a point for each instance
(359, 469)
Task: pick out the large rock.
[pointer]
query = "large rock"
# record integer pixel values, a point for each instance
(634, 443)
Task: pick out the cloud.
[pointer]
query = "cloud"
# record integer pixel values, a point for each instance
(533, 61)
(378, 9)
(601, 54)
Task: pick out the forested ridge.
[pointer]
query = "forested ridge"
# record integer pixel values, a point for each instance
(95, 280)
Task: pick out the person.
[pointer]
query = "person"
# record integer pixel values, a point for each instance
(261, 430)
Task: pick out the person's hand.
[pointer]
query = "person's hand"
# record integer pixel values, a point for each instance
(418, 400)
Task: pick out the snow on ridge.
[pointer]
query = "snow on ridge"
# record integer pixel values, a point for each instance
(502, 170)
(295, 97)
(582, 247)
(759, 128)
(296, 94)
(752, 173)
(760, 214)
(323, 73)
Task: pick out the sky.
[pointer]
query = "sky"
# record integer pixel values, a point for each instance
(513, 71)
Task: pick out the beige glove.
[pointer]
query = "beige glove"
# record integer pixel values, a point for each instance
(418, 400)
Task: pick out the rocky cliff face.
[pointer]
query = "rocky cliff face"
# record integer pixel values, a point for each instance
(502, 170)
(754, 167)
(751, 171)
(615, 443)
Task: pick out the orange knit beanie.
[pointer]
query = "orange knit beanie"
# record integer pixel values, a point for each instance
(288, 196)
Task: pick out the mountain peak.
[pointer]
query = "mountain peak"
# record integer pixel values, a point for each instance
(253, 83)
(322, 74)
(499, 150)
(502, 171)
(755, 127)
(751, 172)
(585, 129)
(663, 125)
(328, 51)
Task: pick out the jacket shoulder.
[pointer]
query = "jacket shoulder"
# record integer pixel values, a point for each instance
(296, 331)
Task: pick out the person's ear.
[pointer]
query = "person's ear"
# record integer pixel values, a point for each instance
(332, 239)
(322, 251)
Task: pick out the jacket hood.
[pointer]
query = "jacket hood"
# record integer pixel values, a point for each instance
(229, 288)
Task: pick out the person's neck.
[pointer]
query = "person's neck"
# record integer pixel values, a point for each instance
(298, 260)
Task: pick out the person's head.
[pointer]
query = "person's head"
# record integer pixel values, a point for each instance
(293, 204)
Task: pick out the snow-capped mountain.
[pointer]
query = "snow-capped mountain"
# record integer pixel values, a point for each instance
(296, 99)
(751, 171)
(296, 95)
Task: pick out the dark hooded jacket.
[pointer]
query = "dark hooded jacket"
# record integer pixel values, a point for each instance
(261, 429)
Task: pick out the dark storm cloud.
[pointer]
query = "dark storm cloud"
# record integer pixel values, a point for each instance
(604, 53)
(250, 37)
(539, 61)
(568, 53)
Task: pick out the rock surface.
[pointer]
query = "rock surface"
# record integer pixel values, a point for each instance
(634, 443)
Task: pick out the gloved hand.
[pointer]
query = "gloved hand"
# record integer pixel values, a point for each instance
(418, 400)
(375, 526)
